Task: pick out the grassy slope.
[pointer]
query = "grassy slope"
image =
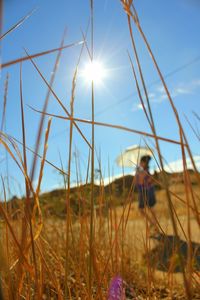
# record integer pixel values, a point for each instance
(54, 202)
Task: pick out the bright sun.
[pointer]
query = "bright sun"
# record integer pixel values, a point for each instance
(94, 71)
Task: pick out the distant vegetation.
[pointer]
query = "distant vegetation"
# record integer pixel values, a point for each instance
(53, 203)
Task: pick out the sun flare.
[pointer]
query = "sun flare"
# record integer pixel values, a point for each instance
(94, 71)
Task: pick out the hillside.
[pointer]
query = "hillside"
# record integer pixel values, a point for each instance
(53, 203)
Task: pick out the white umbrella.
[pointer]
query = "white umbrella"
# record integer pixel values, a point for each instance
(132, 155)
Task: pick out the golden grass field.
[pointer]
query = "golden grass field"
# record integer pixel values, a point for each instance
(121, 229)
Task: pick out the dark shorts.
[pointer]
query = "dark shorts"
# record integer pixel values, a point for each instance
(146, 197)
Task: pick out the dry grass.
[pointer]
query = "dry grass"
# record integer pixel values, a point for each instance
(48, 258)
(127, 258)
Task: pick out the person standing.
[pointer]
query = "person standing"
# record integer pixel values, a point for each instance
(146, 192)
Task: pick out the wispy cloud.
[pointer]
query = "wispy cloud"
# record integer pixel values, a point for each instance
(184, 88)
(158, 94)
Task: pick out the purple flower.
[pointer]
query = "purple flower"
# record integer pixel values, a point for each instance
(116, 289)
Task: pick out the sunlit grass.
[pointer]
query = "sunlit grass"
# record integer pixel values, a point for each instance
(71, 243)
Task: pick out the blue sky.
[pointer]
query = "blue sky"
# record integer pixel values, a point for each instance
(172, 29)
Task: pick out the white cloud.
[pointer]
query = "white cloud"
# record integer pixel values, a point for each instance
(177, 166)
(159, 98)
(152, 95)
(171, 167)
(137, 106)
(108, 180)
(177, 91)
(182, 91)
(158, 94)
(160, 89)
(186, 88)
(196, 82)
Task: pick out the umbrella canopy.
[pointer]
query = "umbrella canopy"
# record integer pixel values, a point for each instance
(132, 155)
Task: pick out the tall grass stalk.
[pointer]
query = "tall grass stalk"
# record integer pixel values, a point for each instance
(119, 127)
(27, 216)
(91, 240)
(43, 53)
(68, 207)
(15, 26)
